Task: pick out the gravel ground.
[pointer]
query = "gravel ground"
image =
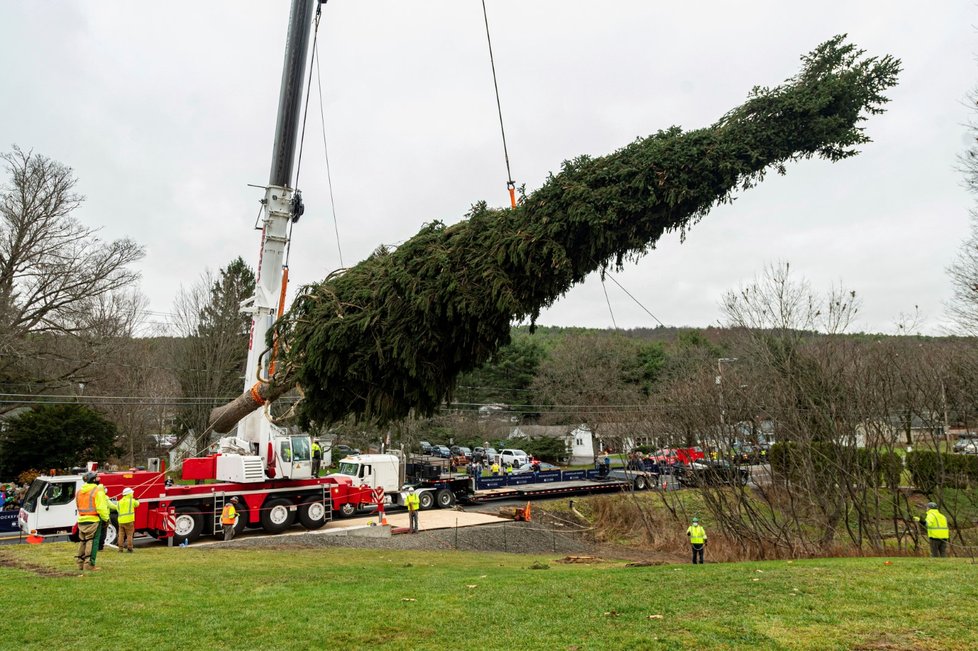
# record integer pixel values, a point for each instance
(514, 537)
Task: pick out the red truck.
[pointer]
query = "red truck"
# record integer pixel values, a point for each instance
(192, 510)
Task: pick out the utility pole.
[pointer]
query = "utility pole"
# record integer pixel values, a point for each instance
(719, 381)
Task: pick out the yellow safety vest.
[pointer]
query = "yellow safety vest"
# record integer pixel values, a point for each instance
(697, 534)
(937, 525)
(127, 509)
(91, 503)
(412, 502)
(228, 515)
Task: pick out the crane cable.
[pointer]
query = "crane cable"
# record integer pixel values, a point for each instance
(510, 184)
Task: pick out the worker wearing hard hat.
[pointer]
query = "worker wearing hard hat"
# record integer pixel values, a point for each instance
(413, 504)
(93, 514)
(229, 518)
(937, 532)
(697, 538)
(127, 519)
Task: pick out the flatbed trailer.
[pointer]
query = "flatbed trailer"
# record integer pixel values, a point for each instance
(555, 482)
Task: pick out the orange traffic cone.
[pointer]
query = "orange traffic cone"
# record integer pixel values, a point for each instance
(35, 539)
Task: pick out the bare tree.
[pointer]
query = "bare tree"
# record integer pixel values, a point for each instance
(594, 380)
(61, 288)
(963, 306)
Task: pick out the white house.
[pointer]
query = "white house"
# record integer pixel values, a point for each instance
(578, 440)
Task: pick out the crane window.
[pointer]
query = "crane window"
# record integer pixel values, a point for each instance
(59, 493)
(301, 450)
(285, 450)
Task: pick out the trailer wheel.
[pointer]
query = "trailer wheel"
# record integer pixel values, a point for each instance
(641, 483)
(445, 498)
(426, 500)
(277, 515)
(348, 509)
(312, 514)
(189, 524)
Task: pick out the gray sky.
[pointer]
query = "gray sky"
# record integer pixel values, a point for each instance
(167, 110)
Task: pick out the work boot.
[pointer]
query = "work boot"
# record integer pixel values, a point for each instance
(92, 568)
(129, 550)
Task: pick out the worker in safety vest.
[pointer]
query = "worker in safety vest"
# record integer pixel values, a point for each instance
(495, 468)
(93, 515)
(317, 457)
(127, 519)
(697, 538)
(937, 531)
(229, 518)
(413, 504)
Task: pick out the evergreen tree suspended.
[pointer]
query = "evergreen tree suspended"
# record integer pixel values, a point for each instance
(389, 336)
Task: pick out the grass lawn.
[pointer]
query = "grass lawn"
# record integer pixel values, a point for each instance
(211, 598)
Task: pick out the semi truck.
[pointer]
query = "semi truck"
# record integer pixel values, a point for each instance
(436, 487)
(189, 511)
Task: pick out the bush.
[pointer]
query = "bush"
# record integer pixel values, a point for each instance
(875, 467)
(28, 476)
(930, 470)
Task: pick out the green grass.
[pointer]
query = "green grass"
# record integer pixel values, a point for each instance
(211, 598)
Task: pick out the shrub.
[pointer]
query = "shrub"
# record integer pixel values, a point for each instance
(930, 470)
(877, 468)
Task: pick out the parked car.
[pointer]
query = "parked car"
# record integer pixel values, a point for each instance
(969, 448)
(490, 455)
(343, 451)
(966, 441)
(528, 467)
(441, 451)
(461, 451)
(514, 457)
(425, 447)
(714, 473)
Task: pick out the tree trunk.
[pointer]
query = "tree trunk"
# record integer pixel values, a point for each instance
(224, 418)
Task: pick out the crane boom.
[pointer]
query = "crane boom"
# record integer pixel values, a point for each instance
(282, 455)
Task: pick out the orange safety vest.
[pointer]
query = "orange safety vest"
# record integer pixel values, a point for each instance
(85, 502)
(228, 515)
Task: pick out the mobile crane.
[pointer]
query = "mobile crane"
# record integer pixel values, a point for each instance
(268, 468)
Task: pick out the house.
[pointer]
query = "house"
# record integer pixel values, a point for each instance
(894, 429)
(578, 440)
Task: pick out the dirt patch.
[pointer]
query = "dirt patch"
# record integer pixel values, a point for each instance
(7, 560)
(579, 559)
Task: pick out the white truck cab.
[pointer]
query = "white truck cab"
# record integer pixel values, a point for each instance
(383, 471)
(49, 507)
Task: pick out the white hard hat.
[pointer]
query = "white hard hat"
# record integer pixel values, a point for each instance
(410, 489)
(127, 491)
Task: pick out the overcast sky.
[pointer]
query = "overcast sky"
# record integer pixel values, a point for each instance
(167, 110)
